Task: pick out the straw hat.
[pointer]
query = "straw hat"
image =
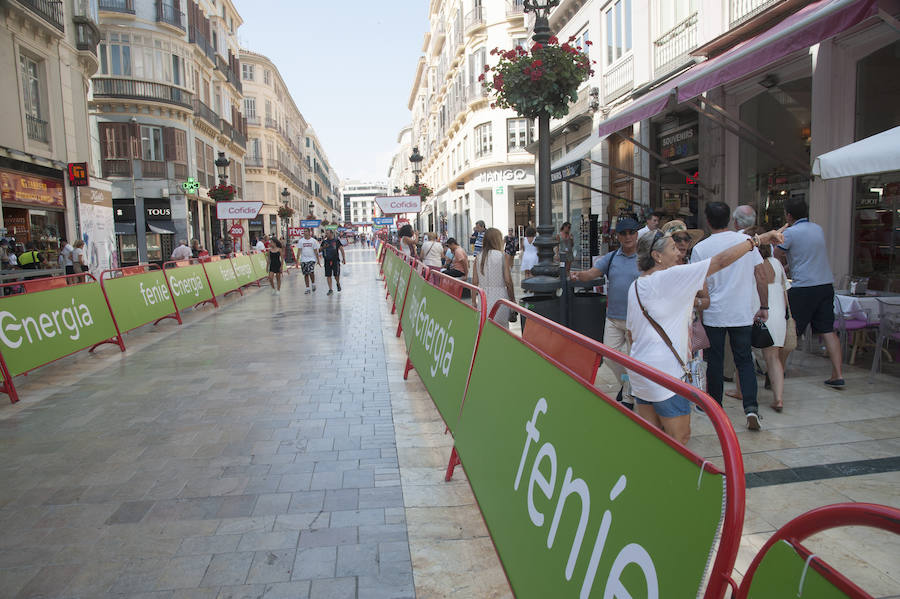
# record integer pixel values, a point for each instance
(677, 226)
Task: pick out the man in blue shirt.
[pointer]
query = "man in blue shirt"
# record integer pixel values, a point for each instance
(811, 296)
(620, 269)
(477, 238)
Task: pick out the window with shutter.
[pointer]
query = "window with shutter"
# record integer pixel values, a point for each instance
(210, 167)
(201, 161)
(180, 146)
(169, 144)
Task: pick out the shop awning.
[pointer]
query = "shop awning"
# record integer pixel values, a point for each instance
(876, 154)
(125, 228)
(810, 25)
(582, 150)
(163, 227)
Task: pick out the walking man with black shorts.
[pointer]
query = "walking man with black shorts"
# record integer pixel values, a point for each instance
(331, 246)
(309, 257)
(811, 296)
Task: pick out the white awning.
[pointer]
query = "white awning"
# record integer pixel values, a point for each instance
(876, 154)
(582, 150)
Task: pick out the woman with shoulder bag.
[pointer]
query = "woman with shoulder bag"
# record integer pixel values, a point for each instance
(660, 303)
(78, 259)
(432, 251)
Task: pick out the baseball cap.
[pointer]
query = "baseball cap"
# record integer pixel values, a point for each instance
(627, 224)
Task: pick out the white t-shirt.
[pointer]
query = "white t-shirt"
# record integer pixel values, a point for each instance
(668, 295)
(732, 290)
(77, 255)
(67, 253)
(182, 252)
(643, 230)
(308, 249)
(260, 245)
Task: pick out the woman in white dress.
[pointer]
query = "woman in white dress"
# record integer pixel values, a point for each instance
(431, 251)
(529, 252)
(492, 274)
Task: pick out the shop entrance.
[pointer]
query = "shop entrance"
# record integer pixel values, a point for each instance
(524, 210)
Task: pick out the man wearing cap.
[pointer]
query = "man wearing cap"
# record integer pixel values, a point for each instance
(620, 269)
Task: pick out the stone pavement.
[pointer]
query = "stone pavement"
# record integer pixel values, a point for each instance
(271, 448)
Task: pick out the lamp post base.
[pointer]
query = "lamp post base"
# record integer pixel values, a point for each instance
(541, 284)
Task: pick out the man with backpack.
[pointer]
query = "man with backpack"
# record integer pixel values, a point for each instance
(620, 269)
(331, 246)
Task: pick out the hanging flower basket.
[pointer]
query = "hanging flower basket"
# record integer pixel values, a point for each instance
(421, 190)
(222, 193)
(543, 79)
(285, 212)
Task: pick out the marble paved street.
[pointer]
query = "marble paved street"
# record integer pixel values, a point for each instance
(271, 448)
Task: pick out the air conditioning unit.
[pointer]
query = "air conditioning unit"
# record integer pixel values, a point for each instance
(164, 192)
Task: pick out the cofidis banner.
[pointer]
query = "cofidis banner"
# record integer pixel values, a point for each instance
(37, 328)
(189, 285)
(580, 499)
(243, 269)
(138, 299)
(440, 334)
(221, 276)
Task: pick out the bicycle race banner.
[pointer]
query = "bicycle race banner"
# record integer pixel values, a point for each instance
(221, 275)
(189, 285)
(138, 299)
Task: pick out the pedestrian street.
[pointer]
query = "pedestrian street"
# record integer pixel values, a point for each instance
(271, 448)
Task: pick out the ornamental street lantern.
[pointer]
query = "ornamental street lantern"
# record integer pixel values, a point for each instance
(285, 198)
(222, 165)
(416, 160)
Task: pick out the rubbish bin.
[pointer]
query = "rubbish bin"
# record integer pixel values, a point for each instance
(587, 314)
(545, 305)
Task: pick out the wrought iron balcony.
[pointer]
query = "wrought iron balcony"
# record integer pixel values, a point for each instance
(153, 169)
(116, 167)
(740, 11)
(167, 13)
(131, 89)
(253, 161)
(223, 66)
(515, 7)
(238, 137)
(49, 10)
(672, 49)
(206, 113)
(126, 6)
(37, 129)
(195, 37)
(475, 18)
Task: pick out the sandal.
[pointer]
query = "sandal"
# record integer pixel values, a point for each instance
(778, 407)
(734, 394)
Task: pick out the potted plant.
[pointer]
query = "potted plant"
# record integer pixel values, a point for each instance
(418, 189)
(222, 193)
(285, 212)
(542, 79)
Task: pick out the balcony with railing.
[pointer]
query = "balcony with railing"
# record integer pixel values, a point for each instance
(223, 67)
(474, 19)
(741, 11)
(116, 167)
(515, 8)
(271, 123)
(618, 79)
(126, 6)
(206, 113)
(253, 161)
(130, 89)
(37, 129)
(195, 37)
(254, 120)
(168, 14)
(50, 11)
(233, 134)
(672, 49)
(153, 169)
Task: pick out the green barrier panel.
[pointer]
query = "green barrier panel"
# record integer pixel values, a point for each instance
(243, 269)
(780, 572)
(396, 261)
(260, 265)
(403, 270)
(37, 328)
(221, 276)
(580, 500)
(390, 263)
(440, 334)
(189, 285)
(138, 299)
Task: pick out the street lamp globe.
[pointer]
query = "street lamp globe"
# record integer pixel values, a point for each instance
(285, 196)
(416, 160)
(222, 165)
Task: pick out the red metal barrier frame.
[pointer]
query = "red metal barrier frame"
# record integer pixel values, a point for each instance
(7, 386)
(816, 521)
(126, 272)
(188, 262)
(414, 265)
(733, 517)
(217, 258)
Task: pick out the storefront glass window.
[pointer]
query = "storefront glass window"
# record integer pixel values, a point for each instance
(781, 114)
(876, 202)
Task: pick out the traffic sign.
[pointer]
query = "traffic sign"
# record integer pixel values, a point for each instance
(236, 230)
(310, 224)
(383, 220)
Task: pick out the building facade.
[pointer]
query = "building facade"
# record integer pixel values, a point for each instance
(323, 180)
(703, 100)
(276, 159)
(358, 201)
(49, 53)
(167, 103)
(475, 157)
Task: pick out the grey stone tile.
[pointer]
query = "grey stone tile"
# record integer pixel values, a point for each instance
(227, 569)
(357, 560)
(307, 501)
(314, 562)
(259, 541)
(237, 506)
(336, 588)
(381, 498)
(328, 536)
(342, 499)
(272, 504)
(367, 517)
(244, 525)
(288, 590)
(326, 480)
(249, 591)
(130, 512)
(183, 572)
(209, 544)
(272, 566)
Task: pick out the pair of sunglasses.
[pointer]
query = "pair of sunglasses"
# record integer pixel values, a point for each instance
(682, 238)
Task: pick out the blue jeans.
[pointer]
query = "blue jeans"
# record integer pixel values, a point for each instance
(743, 363)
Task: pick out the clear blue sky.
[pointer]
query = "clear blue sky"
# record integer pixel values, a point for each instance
(349, 66)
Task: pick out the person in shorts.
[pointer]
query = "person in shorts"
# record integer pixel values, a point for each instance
(330, 249)
(309, 257)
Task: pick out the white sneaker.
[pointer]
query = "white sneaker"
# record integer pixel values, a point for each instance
(274, 292)
(753, 421)
(306, 292)
(314, 286)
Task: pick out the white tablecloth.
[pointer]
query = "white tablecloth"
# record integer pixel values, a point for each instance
(858, 306)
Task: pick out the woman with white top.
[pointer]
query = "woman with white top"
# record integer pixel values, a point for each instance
(492, 274)
(78, 258)
(665, 293)
(529, 252)
(408, 240)
(431, 251)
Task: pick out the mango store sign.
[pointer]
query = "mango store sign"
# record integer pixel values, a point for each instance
(399, 204)
(237, 210)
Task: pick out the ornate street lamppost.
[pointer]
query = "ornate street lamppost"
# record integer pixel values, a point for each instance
(285, 200)
(222, 165)
(416, 160)
(546, 273)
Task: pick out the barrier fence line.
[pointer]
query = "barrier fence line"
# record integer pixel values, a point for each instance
(53, 317)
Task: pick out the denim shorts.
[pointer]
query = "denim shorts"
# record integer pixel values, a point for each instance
(668, 408)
